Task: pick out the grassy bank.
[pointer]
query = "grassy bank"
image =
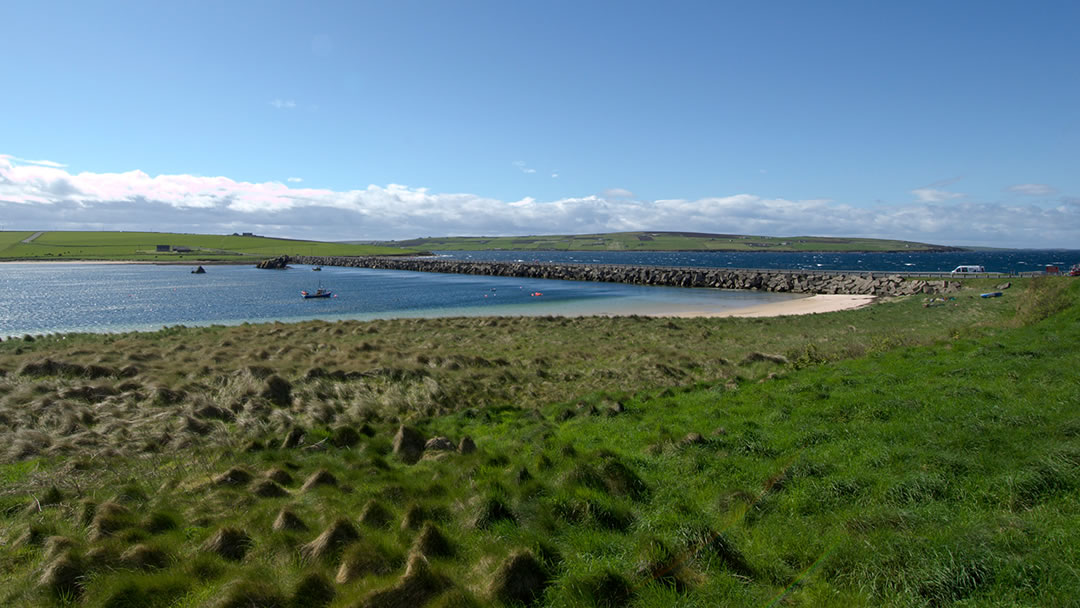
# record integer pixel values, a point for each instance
(912, 453)
(661, 241)
(143, 246)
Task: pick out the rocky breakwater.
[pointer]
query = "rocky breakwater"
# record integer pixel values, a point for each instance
(792, 281)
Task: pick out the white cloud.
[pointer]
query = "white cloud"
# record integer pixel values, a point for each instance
(520, 164)
(934, 195)
(25, 161)
(1033, 189)
(295, 180)
(283, 104)
(618, 193)
(554, 175)
(34, 197)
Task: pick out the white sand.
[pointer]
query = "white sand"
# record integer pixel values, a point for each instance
(801, 306)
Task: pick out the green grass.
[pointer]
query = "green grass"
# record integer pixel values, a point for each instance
(9, 239)
(662, 241)
(142, 246)
(903, 456)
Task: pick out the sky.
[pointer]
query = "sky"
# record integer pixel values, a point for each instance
(953, 122)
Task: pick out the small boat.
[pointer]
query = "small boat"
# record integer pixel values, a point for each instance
(1075, 270)
(199, 270)
(319, 293)
(317, 269)
(992, 294)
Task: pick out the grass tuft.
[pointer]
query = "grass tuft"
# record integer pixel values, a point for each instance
(520, 579)
(230, 543)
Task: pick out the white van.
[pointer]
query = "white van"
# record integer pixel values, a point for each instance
(966, 269)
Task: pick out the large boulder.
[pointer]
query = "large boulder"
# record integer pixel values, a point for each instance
(277, 263)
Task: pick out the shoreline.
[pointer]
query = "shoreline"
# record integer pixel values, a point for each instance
(818, 303)
(157, 262)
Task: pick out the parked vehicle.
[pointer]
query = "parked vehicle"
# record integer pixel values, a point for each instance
(967, 269)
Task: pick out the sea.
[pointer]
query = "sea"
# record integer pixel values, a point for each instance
(51, 298)
(994, 260)
(46, 298)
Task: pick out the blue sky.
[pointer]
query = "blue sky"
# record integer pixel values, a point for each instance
(949, 122)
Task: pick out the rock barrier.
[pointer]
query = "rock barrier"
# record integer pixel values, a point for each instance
(790, 281)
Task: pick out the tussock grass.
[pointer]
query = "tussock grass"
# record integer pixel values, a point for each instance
(938, 469)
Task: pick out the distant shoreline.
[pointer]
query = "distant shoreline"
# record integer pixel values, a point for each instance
(155, 262)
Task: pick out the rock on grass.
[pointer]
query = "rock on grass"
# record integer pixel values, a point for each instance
(439, 444)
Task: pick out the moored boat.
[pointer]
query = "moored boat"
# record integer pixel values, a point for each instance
(318, 293)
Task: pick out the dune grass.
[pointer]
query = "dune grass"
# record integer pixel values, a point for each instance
(142, 246)
(897, 455)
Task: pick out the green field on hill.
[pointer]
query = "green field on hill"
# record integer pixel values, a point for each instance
(662, 241)
(916, 452)
(143, 246)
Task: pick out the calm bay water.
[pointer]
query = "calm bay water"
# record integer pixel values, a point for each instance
(62, 298)
(999, 260)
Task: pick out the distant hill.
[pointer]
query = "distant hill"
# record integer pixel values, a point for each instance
(168, 246)
(662, 241)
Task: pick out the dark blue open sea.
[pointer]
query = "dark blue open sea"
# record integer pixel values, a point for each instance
(63, 298)
(997, 260)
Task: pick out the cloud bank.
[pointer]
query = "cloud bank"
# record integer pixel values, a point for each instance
(1033, 189)
(46, 196)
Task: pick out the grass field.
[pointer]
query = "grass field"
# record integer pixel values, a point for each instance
(142, 246)
(663, 241)
(901, 454)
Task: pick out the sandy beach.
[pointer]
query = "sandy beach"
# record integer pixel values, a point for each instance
(802, 306)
